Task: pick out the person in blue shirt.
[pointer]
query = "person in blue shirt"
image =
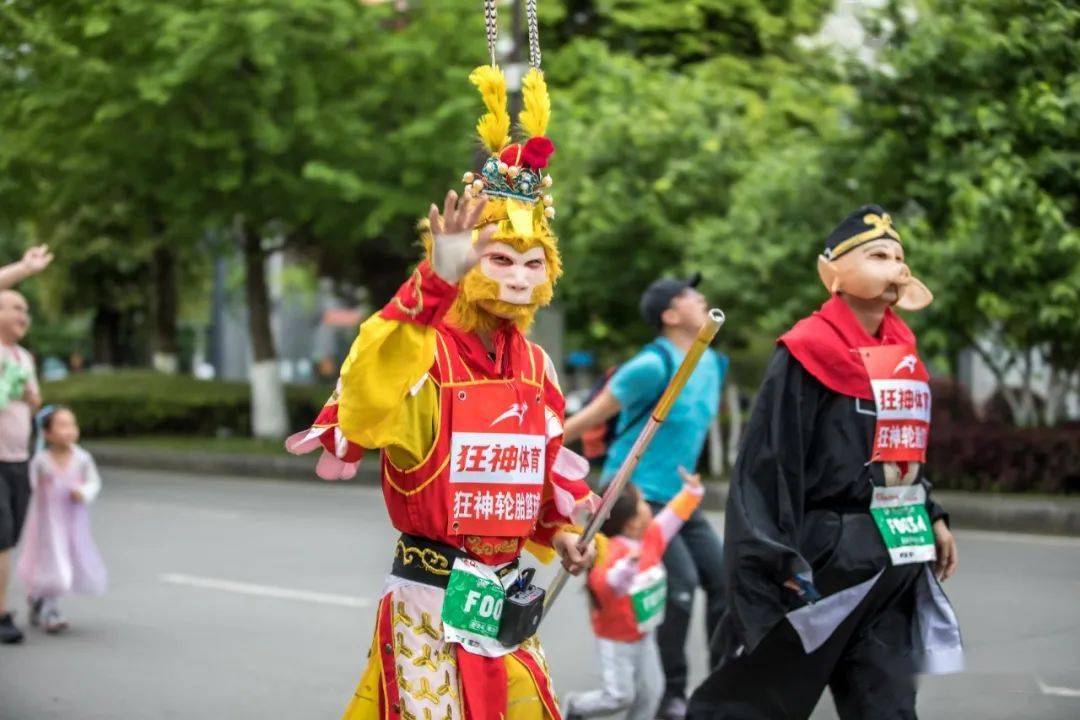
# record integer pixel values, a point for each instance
(695, 556)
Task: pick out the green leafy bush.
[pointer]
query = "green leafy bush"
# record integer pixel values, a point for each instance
(143, 402)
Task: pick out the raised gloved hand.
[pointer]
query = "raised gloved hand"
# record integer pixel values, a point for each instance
(453, 251)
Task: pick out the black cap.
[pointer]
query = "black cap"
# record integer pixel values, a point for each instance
(658, 296)
(870, 222)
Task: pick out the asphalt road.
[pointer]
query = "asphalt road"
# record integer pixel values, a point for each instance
(245, 599)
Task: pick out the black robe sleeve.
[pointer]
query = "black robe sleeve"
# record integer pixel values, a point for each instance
(765, 507)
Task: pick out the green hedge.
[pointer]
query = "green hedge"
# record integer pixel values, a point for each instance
(143, 402)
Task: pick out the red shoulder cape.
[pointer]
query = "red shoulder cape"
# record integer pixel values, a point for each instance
(825, 343)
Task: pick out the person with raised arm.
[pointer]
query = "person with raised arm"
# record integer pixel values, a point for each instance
(467, 415)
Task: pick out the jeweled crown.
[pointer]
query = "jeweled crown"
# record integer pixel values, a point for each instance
(506, 176)
(514, 172)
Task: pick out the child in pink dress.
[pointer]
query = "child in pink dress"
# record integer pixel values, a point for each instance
(58, 555)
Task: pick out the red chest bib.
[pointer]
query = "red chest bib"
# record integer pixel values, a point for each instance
(902, 393)
(497, 447)
(480, 486)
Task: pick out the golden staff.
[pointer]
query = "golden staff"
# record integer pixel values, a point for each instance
(659, 414)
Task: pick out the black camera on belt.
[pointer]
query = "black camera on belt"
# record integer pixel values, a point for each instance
(522, 610)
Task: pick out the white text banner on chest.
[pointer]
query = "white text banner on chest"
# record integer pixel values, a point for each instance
(510, 458)
(902, 400)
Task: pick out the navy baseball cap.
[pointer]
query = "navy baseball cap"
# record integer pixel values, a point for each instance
(658, 296)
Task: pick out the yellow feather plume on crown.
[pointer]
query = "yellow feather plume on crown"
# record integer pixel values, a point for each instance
(536, 105)
(493, 127)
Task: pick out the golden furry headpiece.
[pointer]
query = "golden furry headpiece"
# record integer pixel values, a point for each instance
(519, 203)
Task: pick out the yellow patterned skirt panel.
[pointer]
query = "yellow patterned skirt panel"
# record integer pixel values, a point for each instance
(425, 668)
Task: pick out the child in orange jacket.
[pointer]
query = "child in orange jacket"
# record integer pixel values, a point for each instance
(628, 589)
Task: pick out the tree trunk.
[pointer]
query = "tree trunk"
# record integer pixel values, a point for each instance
(380, 269)
(735, 412)
(268, 413)
(166, 308)
(1056, 391)
(1028, 417)
(999, 371)
(716, 449)
(106, 341)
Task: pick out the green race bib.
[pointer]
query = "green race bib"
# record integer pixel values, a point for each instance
(648, 596)
(902, 520)
(473, 604)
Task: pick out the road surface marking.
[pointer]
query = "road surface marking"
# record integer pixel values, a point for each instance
(182, 508)
(1059, 691)
(266, 590)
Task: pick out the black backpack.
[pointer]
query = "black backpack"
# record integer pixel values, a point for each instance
(598, 439)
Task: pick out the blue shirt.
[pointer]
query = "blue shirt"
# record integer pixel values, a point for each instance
(637, 385)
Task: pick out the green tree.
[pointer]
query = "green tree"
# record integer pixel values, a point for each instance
(86, 167)
(760, 255)
(312, 134)
(970, 126)
(716, 166)
(691, 30)
(320, 126)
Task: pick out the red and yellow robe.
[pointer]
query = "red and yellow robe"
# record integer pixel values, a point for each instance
(392, 397)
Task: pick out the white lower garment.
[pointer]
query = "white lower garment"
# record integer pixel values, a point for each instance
(936, 633)
(633, 681)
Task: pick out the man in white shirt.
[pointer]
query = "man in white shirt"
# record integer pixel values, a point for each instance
(20, 398)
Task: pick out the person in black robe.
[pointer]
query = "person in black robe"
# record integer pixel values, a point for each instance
(816, 598)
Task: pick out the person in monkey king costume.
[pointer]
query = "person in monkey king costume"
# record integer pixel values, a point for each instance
(467, 414)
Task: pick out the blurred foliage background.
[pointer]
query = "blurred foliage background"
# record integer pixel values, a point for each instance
(726, 136)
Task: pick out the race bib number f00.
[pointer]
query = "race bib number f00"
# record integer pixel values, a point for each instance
(473, 604)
